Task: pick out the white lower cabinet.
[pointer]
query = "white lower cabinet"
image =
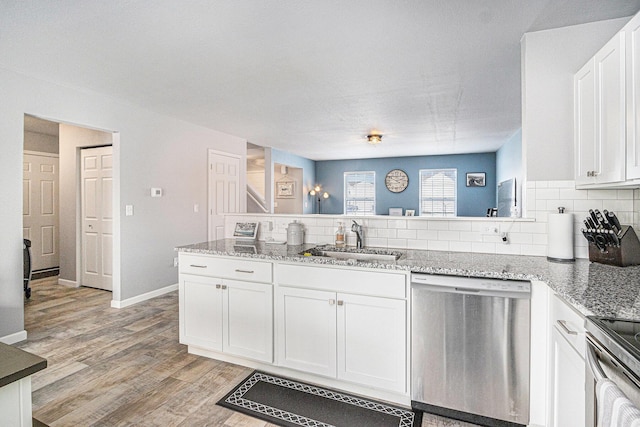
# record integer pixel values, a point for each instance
(566, 406)
(350, 337)
(225, 315)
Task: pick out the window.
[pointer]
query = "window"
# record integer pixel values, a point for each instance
(360, 193)
(438, 192)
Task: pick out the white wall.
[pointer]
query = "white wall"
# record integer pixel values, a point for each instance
(34, 141)
(550, 58)
(72, 138)
(151, 150)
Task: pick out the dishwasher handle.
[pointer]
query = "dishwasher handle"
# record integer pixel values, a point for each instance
(471, 291)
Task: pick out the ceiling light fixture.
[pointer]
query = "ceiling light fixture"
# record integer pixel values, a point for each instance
(374, 139)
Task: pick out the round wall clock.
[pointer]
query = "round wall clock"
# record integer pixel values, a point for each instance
(396, 181)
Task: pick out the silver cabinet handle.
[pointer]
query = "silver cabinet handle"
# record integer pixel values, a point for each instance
(198, 266)
(224, 287)
(244, 271)
(332, 301)
(340, 302)
(218, 286)
(563, 325)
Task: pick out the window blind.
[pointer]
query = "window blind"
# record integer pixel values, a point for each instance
(438, 192)
(360, 193)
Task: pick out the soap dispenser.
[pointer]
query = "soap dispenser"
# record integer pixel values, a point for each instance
(340, 235)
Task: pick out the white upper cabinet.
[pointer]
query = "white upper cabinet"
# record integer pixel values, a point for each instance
(632, 33)
(599, 124)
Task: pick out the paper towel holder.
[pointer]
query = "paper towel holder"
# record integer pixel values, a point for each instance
(561, 210)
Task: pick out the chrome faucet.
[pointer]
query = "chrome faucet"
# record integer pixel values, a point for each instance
(357, 228)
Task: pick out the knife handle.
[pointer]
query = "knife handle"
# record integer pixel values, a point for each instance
(614, 219)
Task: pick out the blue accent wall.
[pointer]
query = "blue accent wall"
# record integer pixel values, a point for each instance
(472, 201)
(308, 173)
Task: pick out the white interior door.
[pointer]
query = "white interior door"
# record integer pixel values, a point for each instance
(224, 190)
(97, 218)
(40, 209)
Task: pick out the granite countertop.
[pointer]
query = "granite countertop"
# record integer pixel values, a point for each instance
(593, 289)
(16, 364)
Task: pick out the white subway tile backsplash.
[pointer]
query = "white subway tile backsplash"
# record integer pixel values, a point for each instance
(448, 235)
(618, 205)
(572, 194)
(459, 235)
(427, 235)
(397, 223)
(460, 246)
(562, 184)
(483, 247)
(603, 194)
(508, 249)
(407, 234)
(460, 225)
(438, 225)
(625, 194)
(438, 245)
(471, 236)
(548, 194)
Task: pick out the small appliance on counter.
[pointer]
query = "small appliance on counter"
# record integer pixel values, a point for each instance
(609, 241)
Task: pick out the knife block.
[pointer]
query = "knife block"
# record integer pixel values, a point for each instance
(627, 254)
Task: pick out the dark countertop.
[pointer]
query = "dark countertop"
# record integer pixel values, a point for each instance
(593, 289)
(16, 364)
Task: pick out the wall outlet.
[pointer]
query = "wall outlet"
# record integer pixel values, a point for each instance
(175, 261)
(128, 210)
(196, 208)
(491, 230)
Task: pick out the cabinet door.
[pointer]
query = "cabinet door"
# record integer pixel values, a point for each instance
(248, 319)
(584, 84)
(632, 32)
(306, 330)
(372, 341)
(567, 398)
(610, 81)
(201, 311)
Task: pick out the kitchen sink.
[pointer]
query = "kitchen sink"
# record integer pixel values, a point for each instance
(376, 256)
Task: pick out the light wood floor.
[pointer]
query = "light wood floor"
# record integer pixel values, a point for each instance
(125, 367)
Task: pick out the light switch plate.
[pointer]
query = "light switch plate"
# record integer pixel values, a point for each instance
(128, 210)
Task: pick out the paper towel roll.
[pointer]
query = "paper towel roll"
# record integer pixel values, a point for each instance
(560, 239)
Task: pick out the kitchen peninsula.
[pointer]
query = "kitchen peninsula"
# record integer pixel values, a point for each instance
(273, 289)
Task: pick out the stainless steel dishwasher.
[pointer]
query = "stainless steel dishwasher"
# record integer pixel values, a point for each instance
(470, 348)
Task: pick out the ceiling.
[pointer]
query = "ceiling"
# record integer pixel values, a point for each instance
(309, 77)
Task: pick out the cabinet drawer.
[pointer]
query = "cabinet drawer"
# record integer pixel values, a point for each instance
(230, 268)
(569, 323)
(392, 285)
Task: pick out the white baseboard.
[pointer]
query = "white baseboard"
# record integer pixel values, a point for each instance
(14, 338)
(66, 282)
(130, 301)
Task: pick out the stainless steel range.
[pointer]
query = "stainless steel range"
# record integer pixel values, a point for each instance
(613, 351)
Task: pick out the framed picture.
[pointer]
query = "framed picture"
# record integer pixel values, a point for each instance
(476, 179)
(410, 212)
(285, 190)
(395, 211)
(246, 231)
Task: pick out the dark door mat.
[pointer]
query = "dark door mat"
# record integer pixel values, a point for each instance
(292, 403)
(37, 423)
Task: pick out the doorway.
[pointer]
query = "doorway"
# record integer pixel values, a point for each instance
(48, 138)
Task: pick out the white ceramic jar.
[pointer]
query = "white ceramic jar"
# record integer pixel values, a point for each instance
(295, 233)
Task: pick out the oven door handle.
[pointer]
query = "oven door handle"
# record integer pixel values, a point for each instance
(592, 360)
